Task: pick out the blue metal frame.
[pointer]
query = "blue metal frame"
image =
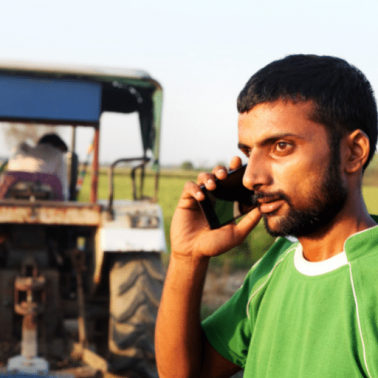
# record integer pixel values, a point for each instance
(34, 98)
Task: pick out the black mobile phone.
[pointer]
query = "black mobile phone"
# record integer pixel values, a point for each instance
(228, 201)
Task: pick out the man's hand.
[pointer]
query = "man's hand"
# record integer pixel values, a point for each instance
(190, 233)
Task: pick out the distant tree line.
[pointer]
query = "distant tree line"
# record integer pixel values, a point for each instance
(189, 166)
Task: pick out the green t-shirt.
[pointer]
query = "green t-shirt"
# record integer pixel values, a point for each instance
(293, 318)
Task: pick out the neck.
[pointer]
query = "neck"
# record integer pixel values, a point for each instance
(330, 240)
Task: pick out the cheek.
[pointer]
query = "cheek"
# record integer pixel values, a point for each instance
(299, 178)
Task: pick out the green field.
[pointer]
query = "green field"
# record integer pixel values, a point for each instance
(371, 198)
(370, 186)
(170, 186)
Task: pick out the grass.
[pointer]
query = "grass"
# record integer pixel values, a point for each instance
(370, 186)
(170, 187)
(370, 194)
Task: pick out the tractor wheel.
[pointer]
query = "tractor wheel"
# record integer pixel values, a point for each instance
(136, 283)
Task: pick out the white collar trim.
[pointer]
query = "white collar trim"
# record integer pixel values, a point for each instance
(309, 268)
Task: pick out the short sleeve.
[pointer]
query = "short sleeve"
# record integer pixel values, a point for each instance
(228, 329)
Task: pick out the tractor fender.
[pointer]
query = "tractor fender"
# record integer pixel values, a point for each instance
(135, 226)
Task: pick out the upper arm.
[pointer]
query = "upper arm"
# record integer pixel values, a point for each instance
(215, 365)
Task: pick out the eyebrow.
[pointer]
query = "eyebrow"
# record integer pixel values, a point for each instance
(242, 146)
(271, 139)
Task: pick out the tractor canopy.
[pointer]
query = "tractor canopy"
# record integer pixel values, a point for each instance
(78, 96)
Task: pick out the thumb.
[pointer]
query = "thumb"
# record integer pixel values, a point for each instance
(248, 223)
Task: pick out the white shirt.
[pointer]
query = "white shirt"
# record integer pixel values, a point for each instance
(43, 158)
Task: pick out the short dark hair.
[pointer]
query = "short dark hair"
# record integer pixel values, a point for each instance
(55, 140)
(343, 97)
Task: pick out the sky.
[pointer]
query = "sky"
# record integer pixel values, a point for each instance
(202, 52)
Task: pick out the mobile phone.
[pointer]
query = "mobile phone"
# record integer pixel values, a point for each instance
(228, 201)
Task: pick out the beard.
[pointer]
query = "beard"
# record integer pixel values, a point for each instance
(321, 206)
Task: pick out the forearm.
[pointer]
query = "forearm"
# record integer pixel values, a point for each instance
(178, 333)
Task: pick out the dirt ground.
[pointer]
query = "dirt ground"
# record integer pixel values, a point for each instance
(219, 287)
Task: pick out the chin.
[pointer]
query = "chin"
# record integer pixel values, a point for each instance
(273, 224)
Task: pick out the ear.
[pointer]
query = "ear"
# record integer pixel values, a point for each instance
(356, 153)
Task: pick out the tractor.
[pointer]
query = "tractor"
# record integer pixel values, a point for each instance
(80, 282)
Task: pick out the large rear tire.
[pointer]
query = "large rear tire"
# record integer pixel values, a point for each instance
(136, 283)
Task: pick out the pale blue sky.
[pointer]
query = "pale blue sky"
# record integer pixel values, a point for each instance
(202, 52)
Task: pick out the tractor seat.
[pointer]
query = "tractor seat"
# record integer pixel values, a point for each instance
(30, 185)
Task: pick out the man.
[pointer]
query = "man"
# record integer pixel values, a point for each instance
(46, 157)
(308, 126)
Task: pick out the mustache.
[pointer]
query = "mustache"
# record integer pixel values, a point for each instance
(279, 195)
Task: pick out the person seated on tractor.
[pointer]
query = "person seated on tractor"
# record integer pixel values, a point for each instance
(48, 156)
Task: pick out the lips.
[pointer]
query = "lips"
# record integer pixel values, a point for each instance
(269, 207)
(270, 204)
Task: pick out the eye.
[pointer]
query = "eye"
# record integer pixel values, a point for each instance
(246, 152)
(282, 145)
(283, 148)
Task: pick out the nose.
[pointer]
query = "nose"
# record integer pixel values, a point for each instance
(257, 173)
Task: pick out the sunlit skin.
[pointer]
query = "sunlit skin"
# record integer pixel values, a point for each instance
(289, 152)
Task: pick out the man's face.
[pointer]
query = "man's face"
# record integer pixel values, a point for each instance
(291, 168)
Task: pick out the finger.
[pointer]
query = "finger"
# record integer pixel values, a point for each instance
(248, 223)
(220, 172)
(236, 162)
(192, 190)
(234, 234)
(207, 179)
